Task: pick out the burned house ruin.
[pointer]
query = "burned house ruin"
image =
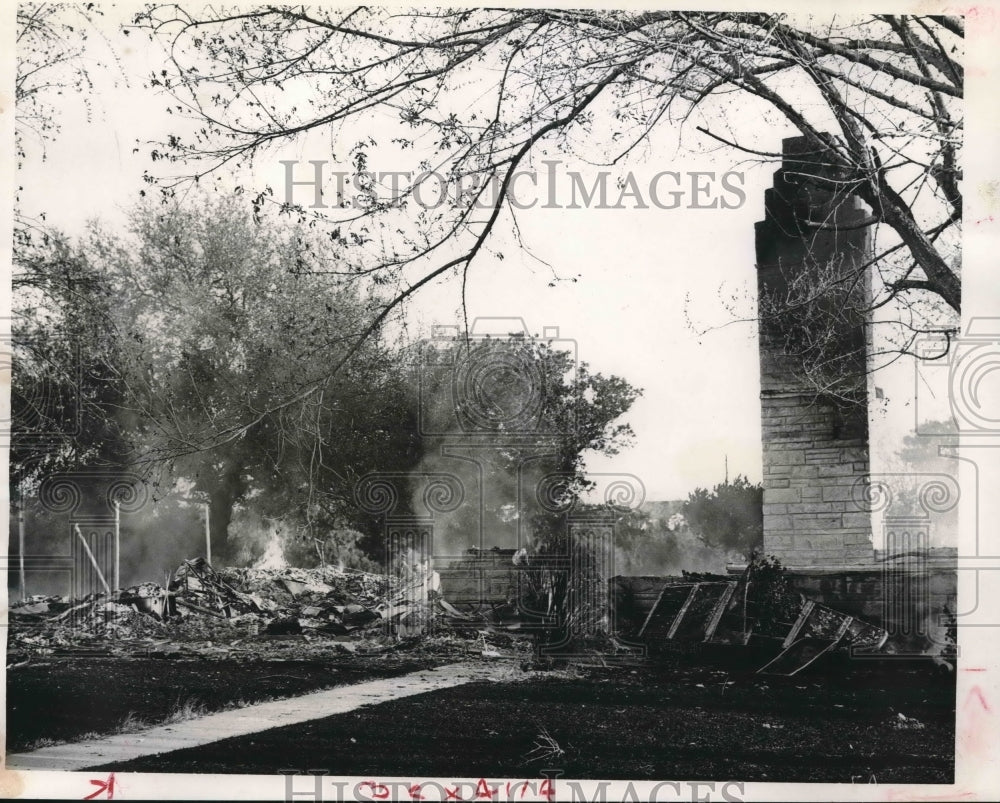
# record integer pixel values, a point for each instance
(819, 492)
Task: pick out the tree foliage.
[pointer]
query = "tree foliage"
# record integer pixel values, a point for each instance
(173, 340)
(225, 320)
(66, 356)
(526, 414)
(729, 517)
(519, 389)
(187, 327)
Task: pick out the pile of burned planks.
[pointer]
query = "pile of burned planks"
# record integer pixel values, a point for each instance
(197, 587)
(719, 612)
(820, 630)
(703, 611)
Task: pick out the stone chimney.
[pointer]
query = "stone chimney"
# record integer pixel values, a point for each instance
(814, 416)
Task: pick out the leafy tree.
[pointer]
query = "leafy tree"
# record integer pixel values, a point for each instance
(524, 411)
(192, 324)
(876, 97)
(519, 389)
(200, 317)
(729, 517)
(66, 351)
(64, 348)
(232, 321)
(515, 417)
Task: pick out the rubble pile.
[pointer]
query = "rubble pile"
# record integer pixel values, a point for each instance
(203, 607)
(311, 613)
(45, 623)
(362, 587)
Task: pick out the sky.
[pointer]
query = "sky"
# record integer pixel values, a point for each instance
(641, 291)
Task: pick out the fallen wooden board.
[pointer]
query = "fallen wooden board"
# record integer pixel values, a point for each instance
(798, 656)
(666, 607)
(688, 611)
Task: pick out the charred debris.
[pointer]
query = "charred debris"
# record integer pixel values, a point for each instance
(494, 603)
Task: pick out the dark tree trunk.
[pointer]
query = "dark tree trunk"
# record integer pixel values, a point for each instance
(228, 489)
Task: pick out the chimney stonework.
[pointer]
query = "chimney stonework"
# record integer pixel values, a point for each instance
(814, 432)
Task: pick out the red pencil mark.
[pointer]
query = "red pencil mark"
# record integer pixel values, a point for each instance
(379, 791)
(484, 791)
(974, 669)
(414, 792)
(451, 794)
(107, 786)
(977, 692)
(980, 18)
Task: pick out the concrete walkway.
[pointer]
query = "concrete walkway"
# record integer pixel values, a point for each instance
(252, 719)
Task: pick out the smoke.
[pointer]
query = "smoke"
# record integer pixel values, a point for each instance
(478, 496)
(254, 539)
(670, 554)
(486, 434)
(155, 536)
(157, 539)
(656, 541)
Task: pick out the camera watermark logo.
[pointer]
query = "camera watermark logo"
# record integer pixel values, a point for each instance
(958, 401)
(960, 376)
(407, 503)
(488, 528)
(496, 381)
(45, 405)
(915, 594)
(555, 585)
(86, 506)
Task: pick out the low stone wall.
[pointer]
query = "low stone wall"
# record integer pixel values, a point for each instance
(912, 598)
(915, 603)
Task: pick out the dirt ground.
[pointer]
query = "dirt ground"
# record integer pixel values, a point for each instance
(66, 699)
(861, 722)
